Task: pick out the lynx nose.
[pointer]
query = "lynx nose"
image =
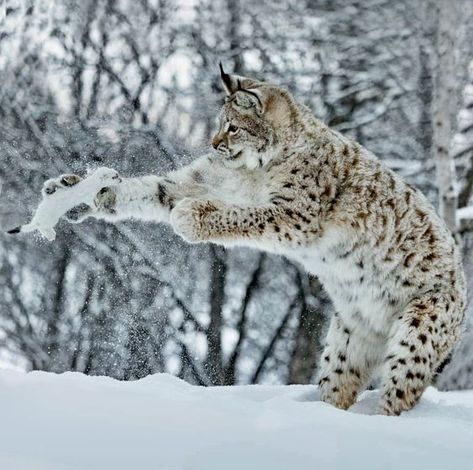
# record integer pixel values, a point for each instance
(216, 141)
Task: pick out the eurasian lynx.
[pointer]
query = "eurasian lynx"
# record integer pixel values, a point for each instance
(283, 182)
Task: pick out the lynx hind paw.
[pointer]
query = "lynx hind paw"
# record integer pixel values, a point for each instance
(52, 185)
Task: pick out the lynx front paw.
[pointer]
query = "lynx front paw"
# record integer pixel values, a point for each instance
(106, 200)
(188, 219)
(52, 185)
(185, 220)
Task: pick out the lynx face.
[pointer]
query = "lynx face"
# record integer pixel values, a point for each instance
(244, 138)
(251, 122)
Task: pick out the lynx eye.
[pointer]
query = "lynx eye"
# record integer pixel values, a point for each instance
(233, 129)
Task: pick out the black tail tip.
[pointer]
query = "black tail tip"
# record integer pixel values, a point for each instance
(14, 230)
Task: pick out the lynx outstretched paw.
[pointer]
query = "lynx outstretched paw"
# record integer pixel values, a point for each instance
(185, 220)
(52, 185)
(106, 200)
(188, 219)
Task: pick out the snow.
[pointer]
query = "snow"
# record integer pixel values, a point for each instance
(75, 422)
(465, 213)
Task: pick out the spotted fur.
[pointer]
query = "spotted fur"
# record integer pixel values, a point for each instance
(283, 182)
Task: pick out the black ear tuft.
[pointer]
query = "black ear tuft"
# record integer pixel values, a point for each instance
(14, 230)
(226, 79)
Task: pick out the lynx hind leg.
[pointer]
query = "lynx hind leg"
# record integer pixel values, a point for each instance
(52, 185)
(346, 364)
(422, 340)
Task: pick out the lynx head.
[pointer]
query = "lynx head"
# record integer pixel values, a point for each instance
(256, 122)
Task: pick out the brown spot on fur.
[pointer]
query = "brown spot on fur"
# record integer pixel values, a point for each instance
(408, 260)
(420, 213)
(431, 257)
(327, 191)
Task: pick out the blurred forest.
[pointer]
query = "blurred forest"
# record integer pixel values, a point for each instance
(134, 85)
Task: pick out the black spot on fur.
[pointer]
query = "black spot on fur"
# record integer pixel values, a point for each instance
(162, 194)
(443, 365)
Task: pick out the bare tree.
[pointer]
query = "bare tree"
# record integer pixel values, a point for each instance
(444, 107)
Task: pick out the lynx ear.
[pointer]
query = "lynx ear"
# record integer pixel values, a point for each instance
(233, 83)
(244, 90)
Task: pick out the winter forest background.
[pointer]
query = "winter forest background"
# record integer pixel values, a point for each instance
(134, 85)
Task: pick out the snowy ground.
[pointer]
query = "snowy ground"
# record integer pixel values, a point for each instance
(71, 421)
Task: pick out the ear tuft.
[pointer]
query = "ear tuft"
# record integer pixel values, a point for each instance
(234, 83)
(228, 82)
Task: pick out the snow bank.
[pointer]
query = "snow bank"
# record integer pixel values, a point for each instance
(71, 421)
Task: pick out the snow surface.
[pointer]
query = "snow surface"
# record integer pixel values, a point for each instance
(71, 421)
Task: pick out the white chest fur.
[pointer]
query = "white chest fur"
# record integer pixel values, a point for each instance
(362, 295)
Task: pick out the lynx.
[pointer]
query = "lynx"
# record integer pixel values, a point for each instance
(279, 180)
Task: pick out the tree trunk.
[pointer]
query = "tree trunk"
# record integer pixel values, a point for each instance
(308, 338)
(214, 363)
(445, 101)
